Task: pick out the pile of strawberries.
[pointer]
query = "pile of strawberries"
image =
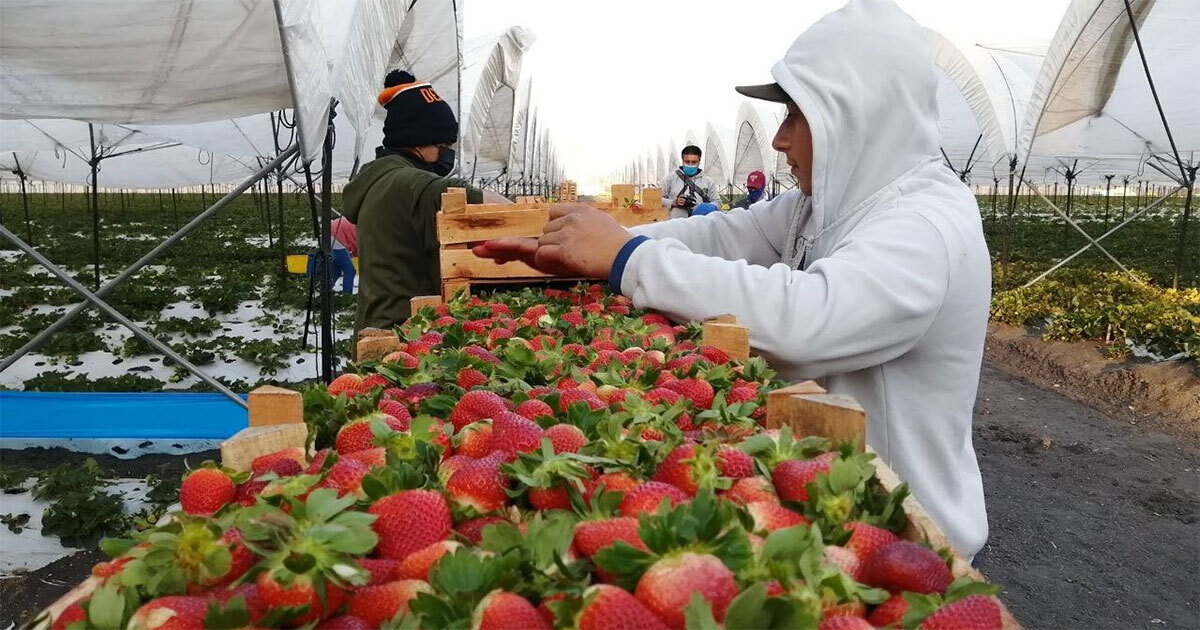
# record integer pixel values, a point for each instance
(541, 459)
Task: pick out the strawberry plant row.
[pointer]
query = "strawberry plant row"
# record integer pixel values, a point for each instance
(544, 459)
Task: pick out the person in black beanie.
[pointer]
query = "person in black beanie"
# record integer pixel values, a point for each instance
(393, 201)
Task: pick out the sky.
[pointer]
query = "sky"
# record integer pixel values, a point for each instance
(613, 79)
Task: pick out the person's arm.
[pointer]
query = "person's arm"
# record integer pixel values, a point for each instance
(867, 303)
(756, 236)
(664, 185)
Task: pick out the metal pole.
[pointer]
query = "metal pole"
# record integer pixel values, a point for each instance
(1107, 198)
(327, 364)
(24, 202)
(1181, 256)
(150, 257)
(95, 164)
(113, 313)
(282, 241)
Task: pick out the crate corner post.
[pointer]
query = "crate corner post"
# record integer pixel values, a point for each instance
(269, 405)
(724, 333)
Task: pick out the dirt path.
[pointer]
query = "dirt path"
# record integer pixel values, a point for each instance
(1095, 523)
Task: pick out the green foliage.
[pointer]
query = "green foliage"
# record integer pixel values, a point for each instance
(80, 518)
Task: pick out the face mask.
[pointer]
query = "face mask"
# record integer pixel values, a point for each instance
(755, 194)
(444, 163)
(689, 170)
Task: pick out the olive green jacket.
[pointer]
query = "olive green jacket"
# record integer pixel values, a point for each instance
(393, 204)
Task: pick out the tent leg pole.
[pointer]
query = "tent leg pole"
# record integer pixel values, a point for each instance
(25, 205)
(1181, 257)
(327, 336)
(113, 313)
(95, 164)
(150, 257)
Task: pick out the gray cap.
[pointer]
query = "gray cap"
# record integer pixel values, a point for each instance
(767, 92)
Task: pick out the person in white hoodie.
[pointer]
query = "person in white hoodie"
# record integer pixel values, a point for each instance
(872, 277)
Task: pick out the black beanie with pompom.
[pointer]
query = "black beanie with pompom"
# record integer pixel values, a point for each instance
(416, 115)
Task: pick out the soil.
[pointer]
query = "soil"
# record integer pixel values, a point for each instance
(1095, 520)
(159, 464)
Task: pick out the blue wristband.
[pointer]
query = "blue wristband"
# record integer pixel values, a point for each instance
(618, 266)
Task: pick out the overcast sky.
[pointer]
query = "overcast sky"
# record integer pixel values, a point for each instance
(614, 78)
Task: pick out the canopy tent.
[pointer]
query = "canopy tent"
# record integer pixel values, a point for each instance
(717, 163)
(491, 76)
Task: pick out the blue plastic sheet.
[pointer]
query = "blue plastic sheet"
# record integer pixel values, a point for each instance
(119, 415)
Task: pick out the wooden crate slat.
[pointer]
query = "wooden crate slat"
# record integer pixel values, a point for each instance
(462, 264)
(467, 227)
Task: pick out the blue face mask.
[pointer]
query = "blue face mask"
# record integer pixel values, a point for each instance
(689, 170)
(755, 194)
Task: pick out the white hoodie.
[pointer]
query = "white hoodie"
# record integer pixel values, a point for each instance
(879, 284)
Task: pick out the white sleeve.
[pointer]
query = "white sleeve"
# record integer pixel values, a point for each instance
(755, 235)
(665, 185)
(865, 304)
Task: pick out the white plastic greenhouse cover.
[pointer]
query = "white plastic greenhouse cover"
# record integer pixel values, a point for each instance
(752, 149)
(491, 76)
(334, 49)
(521, 118)
(717, 163)
(1091, 99)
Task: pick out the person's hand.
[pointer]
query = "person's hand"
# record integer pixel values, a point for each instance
(578, 240)
(680, 202)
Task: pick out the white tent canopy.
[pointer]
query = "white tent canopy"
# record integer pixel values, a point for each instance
(717, 163)
(491, 76)
(752, 147)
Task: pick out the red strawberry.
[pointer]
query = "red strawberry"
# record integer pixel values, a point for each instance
(343, 622)
(575, 349)
(378, 604)
(791, 477)
(551, 498)
(418, 563)
(677, 469)
(866, 539)
(476, 405)
(174, 612)
(317, 463)
(431, 338)
(241, 559)
(357, 435)
(609, 607)
(734, 463)
(348, 384)
(698, 391)
(374, 380)
(566, 438)
(444, 321)
(573, 317)
(612, 395)
(501, 610)
(844, 560)
(592, 536)
(419, 348)
(263, 462)
(571, 396)
(408, 521)
(662, 396)
(372, 457)
(382, 570)
(476, 326)
(470, 377)
(479, 485)
(889, 613)
(769, 516)
(683, 364)
(105, 570)
(651, 434)
(750, 489)
(845, 623)
(70, 615)
(479, 352)
(417, 393)
(667, 586)
(741, 394)
(535, 312)
(405, 359)
(247, 493)
(534, 409)
(249, 594)
(656, 319)
(512, 434)
(472, 529)
(974, 612)
(906, 566)
(346, 477)
(475, 440)
(397, 410)
(613, 482)
(647, 496)
(284, 468)
(206, 490)
(497, 335)
(714, 355)
(604, 345)
(450, 465)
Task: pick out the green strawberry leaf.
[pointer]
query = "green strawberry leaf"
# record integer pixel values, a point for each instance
(698, 615)
(109, 607)
(919, 607)
(746, 611)
(231, 616)
(116, 547)
(965, 587)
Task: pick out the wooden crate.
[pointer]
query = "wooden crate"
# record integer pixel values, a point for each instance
(567, 191)
(460, 224)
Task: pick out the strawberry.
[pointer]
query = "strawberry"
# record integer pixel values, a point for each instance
(592, 536)
(395, 409)
(206, 490)
(284, 468)
(574, 395)
(317, 463)
(535, 312)
(348, 384)
(889, 613)
(299, 592)
(444, 321)
(667, 586)
(476, 326)
(346, 477)
(475, 440)
(550, 498)
(261, 463)
(375, 380)
(378, 604)
(472, 529)
(512, 434)
(174, 612)
(656, 319)
(677, 469)
(612, 395)
(698, 391)
(683, 364)
(479, 485)
(609, 607)
(714, 355)
(853, 608)
(419, 348)
(247, 493)
(749, 489)
(973, 612)
(906, 566)
(381, 570)
(534, 409)
(769, 516)
(372, 457)
(481, 353)
(470, 377)
(476, 405)
(343, 622)
(451, 465)
(249, 594)
(241, 558)
(566, 438)
(357, 435)
(417, 393)
(497, 335)
(866, 539)
(70, 615)
(845, 623)
(791, 477)
(105, 570)
(573, 317)
(662, 396)
(844, 559)
(741, 394)
(404, 359)
(418, 563)
(501, 610)
(408, 521)
(619, 481)
(646, 497)
(734, 463)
